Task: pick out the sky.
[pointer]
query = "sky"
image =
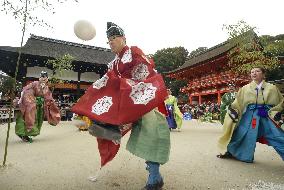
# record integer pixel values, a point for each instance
(152, 24)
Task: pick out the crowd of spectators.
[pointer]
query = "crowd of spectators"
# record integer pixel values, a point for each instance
(198, 111)
(65, 103)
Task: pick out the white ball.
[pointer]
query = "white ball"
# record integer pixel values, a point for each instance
(84, 30)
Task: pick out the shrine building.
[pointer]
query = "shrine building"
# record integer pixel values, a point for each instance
(89, 64)
(208, 75)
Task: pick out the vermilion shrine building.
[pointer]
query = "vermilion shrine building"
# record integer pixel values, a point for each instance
(208, 75)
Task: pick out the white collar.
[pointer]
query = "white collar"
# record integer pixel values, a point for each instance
(258, 86)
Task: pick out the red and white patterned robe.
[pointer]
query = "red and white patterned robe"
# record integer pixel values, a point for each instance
(130, 89)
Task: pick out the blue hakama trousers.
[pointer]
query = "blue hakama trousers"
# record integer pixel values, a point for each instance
(252, 128)
(171, 117)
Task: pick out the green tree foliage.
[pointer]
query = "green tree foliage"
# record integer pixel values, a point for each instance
(197, 52)
(248, 51)
(274, 46)
(167, 60)
(59, 65)
(275, 74)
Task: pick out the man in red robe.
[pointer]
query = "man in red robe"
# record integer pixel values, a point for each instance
(130, 94)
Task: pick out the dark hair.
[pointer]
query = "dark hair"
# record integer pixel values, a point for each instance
(259, 67)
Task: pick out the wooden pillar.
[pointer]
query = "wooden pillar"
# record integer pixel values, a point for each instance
(78, 85)
(219, 97)
(190, 99)
(199, 99)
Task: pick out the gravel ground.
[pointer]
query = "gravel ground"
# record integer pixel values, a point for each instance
(63, 158)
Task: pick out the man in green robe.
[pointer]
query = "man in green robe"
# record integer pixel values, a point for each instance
(250, 119)
(174, 117)
(35, 103)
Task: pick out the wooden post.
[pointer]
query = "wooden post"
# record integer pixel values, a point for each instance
(219, 97)
(78, 85)
(199, 99)
(190, 99)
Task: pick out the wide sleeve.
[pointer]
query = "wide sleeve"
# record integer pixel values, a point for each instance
(27, 105)
(279, 107)
(229, 125)
(51, 110)
(176, 108)
(238, 103)
(224, 102)
(132, 86)
(139, 68)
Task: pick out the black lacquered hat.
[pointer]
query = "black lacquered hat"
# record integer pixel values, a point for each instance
(113, 30)
(43, 74)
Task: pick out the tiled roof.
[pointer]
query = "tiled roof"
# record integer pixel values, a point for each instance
(209, 54)
(48, 47)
